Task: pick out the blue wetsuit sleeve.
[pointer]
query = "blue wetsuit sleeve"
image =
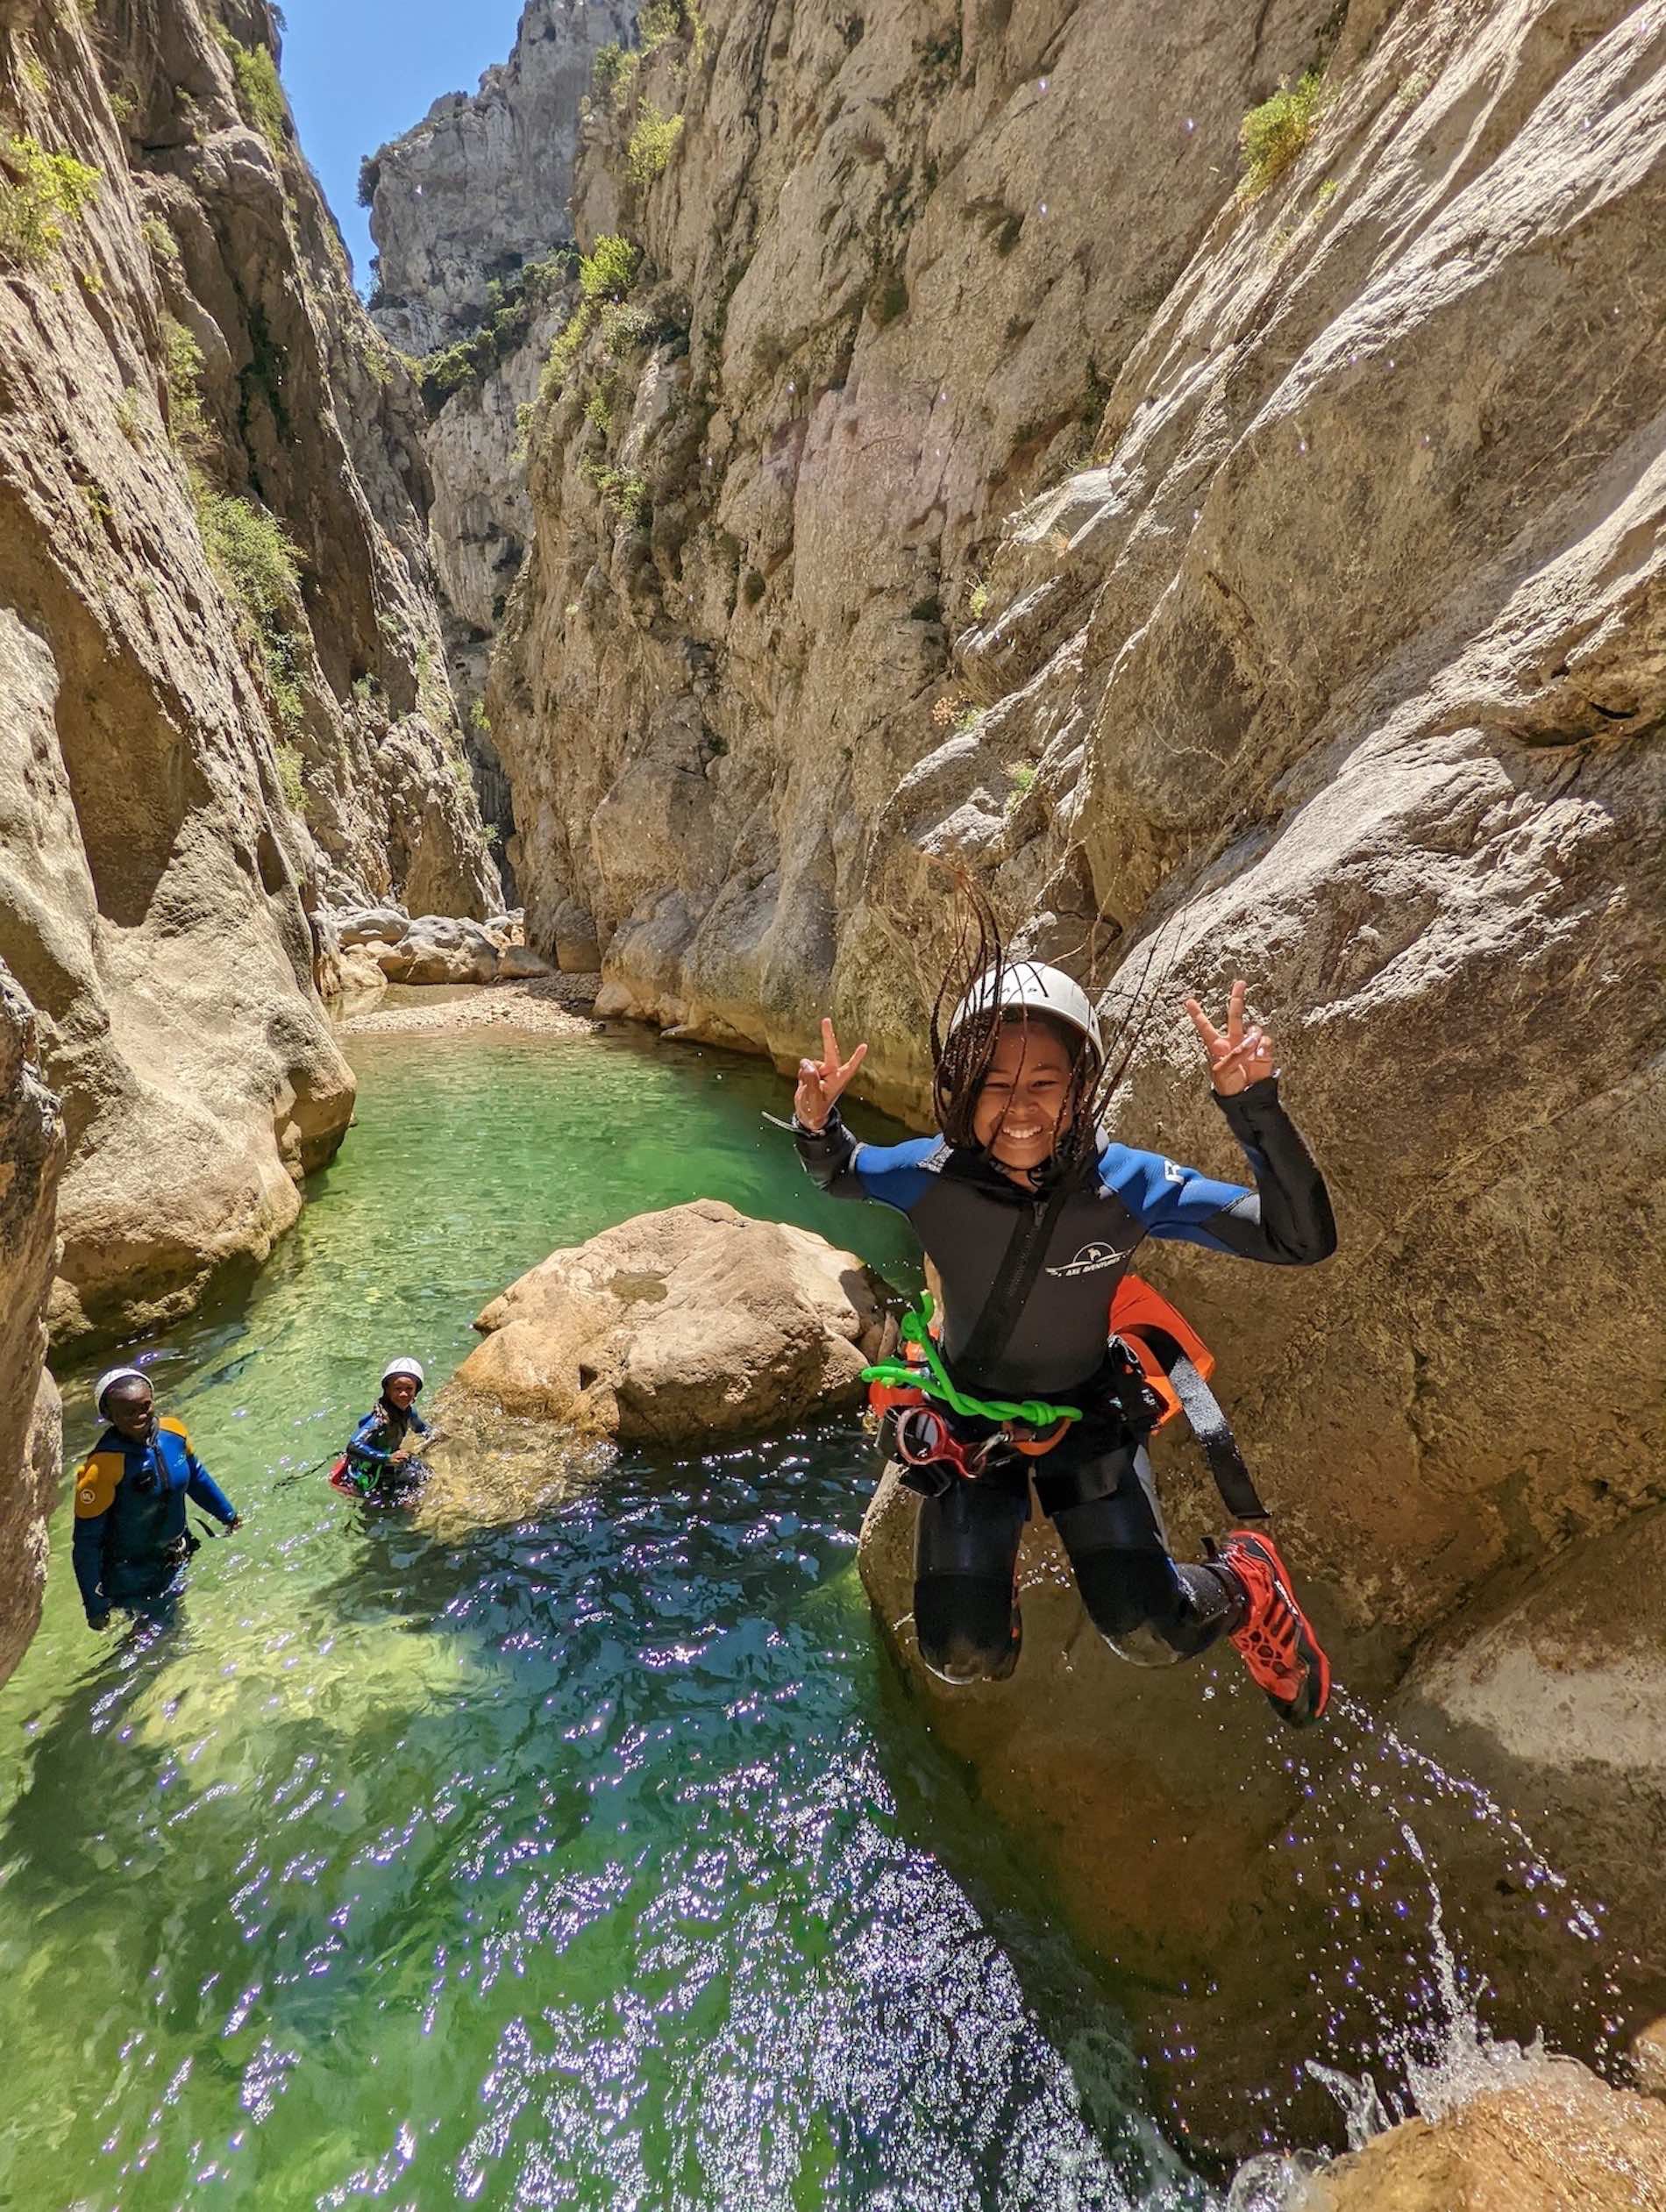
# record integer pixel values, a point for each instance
(87, 1552)
(892, 1175)
(417, 1422)
(363, 1453)
(202, 1489)
(1286, 1220)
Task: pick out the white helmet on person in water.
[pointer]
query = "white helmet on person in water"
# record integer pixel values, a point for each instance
(413, 1368)
(1030, 987)
(107, 1383)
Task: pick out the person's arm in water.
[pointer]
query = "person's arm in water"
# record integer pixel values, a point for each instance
(406, 1452)
(1287, 1220)
(95, 1494)
(202, 1489)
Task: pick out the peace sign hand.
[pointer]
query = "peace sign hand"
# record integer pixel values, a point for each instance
(1240, 1057)
(820, 1082)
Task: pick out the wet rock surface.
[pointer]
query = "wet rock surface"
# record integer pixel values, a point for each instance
(1554, 2140)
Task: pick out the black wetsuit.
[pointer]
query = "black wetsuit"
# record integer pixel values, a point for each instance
(1096, 1485)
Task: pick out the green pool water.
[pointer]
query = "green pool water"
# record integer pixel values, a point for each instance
(590, 1861)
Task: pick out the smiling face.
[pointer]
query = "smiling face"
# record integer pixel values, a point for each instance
(128, 1407)
(1023, 1096)
(400, 1390)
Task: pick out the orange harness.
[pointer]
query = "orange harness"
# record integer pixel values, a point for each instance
(1138, 1315)
(1175, 1364)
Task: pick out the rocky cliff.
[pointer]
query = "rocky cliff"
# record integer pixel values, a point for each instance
(222, 689)
(471, 210)
(1203, 469)
(31, 1159)
(483, 184)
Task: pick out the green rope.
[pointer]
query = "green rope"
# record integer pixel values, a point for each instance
(934, 1380)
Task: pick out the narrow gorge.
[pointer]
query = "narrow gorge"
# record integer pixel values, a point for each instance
(1200, 472)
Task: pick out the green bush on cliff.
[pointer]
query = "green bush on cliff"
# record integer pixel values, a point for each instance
(608, 270)
(259, 565)
(289, 776)
(164, 246)
(651, 145)
(664, 19)
(39, 193)
(259, 93)
(187, 423)
(615, 66)
(511, 301)
(1272, 135)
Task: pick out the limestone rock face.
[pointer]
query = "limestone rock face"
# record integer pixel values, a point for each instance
(222, 685)
(483, 182)
(1554, 2139)
(32, 1152)
(680, 1327)
(1553, 1697)
(1265, 586)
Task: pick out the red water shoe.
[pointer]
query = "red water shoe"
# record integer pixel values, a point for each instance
(1276, 1642)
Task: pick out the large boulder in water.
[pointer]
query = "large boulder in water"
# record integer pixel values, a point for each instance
(439, 948)
(1550, 2138)
(680, 1327)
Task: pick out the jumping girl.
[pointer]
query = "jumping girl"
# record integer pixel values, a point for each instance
(1029, 1217)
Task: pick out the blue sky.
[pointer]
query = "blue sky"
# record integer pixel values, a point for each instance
(359, 72)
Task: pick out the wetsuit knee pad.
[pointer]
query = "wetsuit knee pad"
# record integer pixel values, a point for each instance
(967, 1627)
(966, 1553)
(1125, 1590)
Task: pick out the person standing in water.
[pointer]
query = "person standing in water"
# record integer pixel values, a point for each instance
(131, 1542)
(380, 1460)
(1024, 1204)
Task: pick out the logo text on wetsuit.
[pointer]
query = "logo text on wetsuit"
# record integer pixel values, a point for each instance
(1090, 1260)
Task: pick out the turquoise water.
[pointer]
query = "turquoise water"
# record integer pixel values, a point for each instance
(593, 1860)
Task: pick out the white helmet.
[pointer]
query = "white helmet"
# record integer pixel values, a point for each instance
(413, 1368)
(1029, 985)
(108, 1382)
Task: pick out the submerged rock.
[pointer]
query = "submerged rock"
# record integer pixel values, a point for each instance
(1553, 2139)
(680, 1327)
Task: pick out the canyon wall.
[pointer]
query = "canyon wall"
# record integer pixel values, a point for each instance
(483, 183)
(470, 209)
(223, 696)
(959, 452)
(30, 1437)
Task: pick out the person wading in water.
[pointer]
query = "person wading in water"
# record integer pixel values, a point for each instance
(381, 1461)
(131, 1541)
(1029, 1216)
